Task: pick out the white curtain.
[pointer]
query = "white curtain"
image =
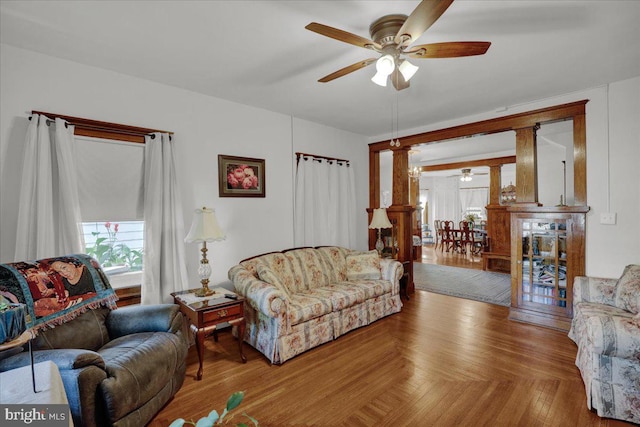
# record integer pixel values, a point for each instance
(476, 198)
(164, 259)
(446, 199)
(49, 222)
(324, 203)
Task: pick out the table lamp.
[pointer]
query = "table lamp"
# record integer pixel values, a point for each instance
(204, 228)
(380, 220)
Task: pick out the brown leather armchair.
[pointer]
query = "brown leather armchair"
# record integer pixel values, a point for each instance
(118, 367)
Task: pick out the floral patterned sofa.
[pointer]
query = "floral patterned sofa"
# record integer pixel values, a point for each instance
(303, 297)
(606, 328)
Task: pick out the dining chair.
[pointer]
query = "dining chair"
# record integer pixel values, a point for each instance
(448, 235)
(479, 236)
(465, 239)
(437, 231)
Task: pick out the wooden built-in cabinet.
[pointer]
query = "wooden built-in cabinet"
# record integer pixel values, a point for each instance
(401, 233)
(546, 255)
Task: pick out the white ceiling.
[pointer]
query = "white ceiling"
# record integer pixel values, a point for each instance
(259, 53)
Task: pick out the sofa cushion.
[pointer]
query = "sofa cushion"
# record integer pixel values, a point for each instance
(341, 296)
(628, 289)
(606, 330)
(363, 266)
(87, 332)
(268, 275)
(306, 306)
(372, 288)
(138, 366)
(336, 258)
(310, 268)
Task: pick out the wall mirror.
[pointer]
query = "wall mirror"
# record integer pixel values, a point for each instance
(555, 163)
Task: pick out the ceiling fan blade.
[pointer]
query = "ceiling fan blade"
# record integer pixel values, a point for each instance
(423, 16)
(342, 36)
(398, 80)
(448, 49)
(346, 70)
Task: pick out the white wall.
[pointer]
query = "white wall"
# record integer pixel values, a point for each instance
(204, 127)
(613, 175)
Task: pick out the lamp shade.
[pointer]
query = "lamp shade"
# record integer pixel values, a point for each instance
(384, 66)
(380, 219)
(204, 227)
(407, 69)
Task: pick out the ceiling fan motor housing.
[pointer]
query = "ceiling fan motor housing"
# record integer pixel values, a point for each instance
(384, 30)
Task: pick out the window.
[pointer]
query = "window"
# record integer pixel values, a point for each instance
(118, 247)
(478, 213)
(110, 186)
(472, 203)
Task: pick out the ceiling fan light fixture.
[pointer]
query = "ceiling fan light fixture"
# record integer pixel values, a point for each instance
(380, 79)
(407, 69)
(384, 66)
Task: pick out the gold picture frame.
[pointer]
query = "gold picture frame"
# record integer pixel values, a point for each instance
(241, 176)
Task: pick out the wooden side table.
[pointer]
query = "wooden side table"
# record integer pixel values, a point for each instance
(205, 314)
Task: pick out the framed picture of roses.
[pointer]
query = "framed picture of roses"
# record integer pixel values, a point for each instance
(240, 176)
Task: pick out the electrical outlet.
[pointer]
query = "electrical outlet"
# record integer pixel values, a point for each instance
(608, 218)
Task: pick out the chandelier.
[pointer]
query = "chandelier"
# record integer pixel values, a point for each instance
(414, 172)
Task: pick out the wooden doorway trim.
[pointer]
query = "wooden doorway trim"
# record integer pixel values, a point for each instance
(572, 111)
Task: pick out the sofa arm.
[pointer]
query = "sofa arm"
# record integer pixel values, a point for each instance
(613, 336)
(65, 359)
(261, 296)
(594, 289)
(134, 319)
(392, 271)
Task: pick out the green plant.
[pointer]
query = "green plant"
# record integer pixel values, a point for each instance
(471, 217)
(109, 253)
(213, 419)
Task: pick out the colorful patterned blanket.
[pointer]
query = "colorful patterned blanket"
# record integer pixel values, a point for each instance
(56, 290)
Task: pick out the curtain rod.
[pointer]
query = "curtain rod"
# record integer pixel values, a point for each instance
(106, 130)
(315, 156)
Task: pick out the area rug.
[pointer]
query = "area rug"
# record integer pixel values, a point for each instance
(478, 285)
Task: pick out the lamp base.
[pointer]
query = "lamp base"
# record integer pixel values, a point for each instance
(379, 243)
(204, 292)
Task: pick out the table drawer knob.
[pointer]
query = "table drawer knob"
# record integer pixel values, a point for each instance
(222, 313)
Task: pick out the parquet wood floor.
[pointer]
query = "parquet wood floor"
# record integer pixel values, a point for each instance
(442, 361)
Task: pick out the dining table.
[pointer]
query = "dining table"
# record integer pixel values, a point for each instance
(457, 239)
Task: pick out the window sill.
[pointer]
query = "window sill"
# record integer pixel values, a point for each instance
(125, 280)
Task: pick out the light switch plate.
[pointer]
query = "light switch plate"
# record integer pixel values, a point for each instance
(608, 218)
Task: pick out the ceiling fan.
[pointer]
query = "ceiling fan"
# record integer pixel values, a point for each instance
(392, 36)
(467, 175)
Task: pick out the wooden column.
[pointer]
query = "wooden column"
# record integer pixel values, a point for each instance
(400, 211)
(526, 166)
(401, 177)
(495, 184)
(579, 160)
(498, 226)
(374, 179)
(400, 217)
